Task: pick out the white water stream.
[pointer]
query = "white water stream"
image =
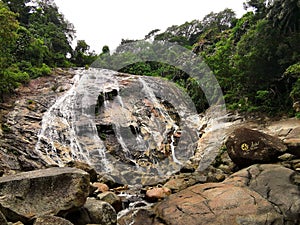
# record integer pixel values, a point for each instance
(69, 132)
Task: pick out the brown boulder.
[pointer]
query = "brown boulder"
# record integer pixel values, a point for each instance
(52, 191)
(156, 194)
(217, 204)
(246, 147)
(275, 183)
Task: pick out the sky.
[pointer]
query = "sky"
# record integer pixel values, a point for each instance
(107, 22)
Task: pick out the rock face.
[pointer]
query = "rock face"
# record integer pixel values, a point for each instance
(259, 194)
(37, 193)
(246, 147)
(214, 203)
(275, 183)
(21, 120)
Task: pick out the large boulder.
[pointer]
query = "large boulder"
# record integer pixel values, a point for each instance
(259, 194)
(94, 212)
(52, 191)
(275, 183)
(216, 204)
(246, 147)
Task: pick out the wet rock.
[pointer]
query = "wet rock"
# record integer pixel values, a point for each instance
(215, 204)
(51, 220)
(111, 198)
(139, 217)
(275, 183)
(85, 167)
(246, 147)
(156, 194)
(42, 192)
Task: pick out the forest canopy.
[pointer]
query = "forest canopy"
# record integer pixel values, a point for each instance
(255, 58)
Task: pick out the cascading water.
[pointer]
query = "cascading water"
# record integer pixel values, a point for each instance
(68, 128)
(136, 128)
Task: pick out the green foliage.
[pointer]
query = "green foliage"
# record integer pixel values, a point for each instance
(295, 93)
(255, 58)
(81, 56)
(285, 15)
(293, 71)
(8, 35)
(34, 37)
(11, 78)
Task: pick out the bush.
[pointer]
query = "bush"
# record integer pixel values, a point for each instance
(11, 78)
(36, 72)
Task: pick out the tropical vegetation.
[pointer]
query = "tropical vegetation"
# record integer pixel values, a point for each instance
(255, 58)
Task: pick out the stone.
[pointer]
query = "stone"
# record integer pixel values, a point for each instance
(182, 181)
(276, 184)
(100, 212)
(85, 167)
(51, 220)
(216, 204)
(51, 191)
(292, 140)
(246, 147)
(101, 187)
(139, 217)
(17, 223)
(94, 212)
(157, 193)
(111, 198)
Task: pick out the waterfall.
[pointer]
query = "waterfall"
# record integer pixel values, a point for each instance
(171, 125)
(68, 130)
(129, 126)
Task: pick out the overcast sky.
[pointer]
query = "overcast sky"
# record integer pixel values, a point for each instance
(106, 22)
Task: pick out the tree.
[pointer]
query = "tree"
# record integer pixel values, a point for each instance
(259, 7)
(82, 56)
(8, 35)
(10, 76)
(285, 15)
(21, 8)
(105, 50)
(47, 24)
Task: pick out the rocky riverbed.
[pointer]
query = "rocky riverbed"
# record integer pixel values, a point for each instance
(254, 179)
